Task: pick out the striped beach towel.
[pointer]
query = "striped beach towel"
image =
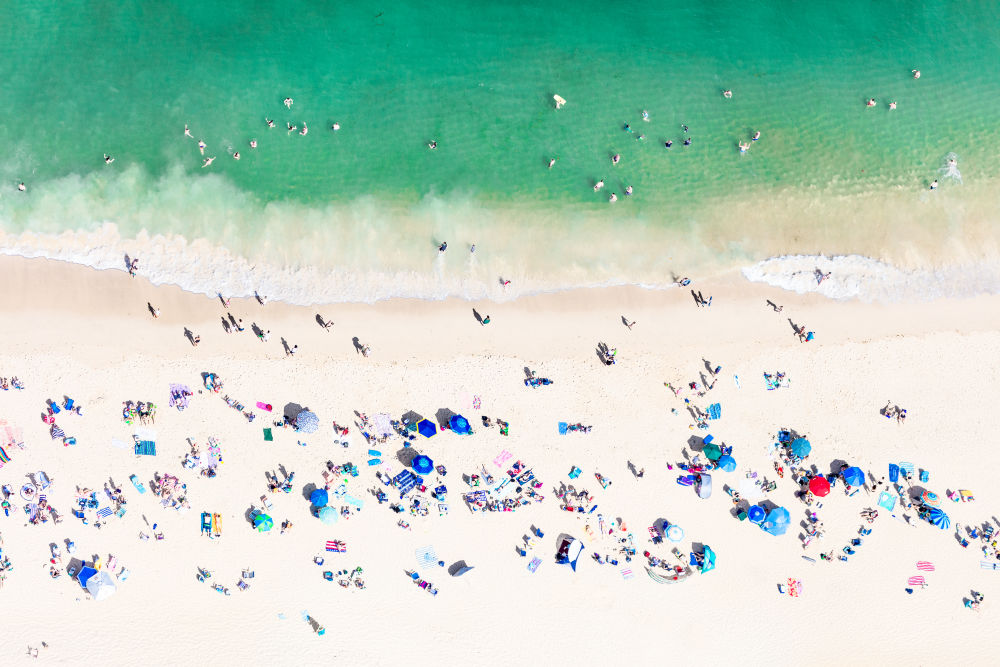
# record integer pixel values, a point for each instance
(56, 432)
(4, 458)
(627, 573)
(426, 556)
(916, 581)
(907, 467)
(925, 566)
(104, 512)
(533, 565)
(336, 546)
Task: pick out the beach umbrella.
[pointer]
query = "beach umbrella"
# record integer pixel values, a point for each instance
(777, 521)
(573, 553)
(819, 486)
(102, 585)
(319, 497)
(937, 517)
(263, 523)
(328, 515)
(854, 476)
(712, 452)
(422, 464)
(709, 563)
(675, 533)
(756, 514)
(726, 463)
(307, 421)
(800, 447)
(750, 490)
(460, 425)
(427, 428)
(930, 499)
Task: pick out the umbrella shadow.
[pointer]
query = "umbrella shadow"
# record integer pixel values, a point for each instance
(458, 568)
(696, 443)
(412, 417)
(836, 466)
(406, 456)
(307, 491)
(443, 417)
(292, 410)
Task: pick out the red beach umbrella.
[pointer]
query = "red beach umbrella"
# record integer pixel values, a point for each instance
(819, 486)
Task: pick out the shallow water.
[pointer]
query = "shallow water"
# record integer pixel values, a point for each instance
(357, 214)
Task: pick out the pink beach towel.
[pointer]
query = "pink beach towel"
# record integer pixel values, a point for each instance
(925, 566)
(264, 406)
(916, 581)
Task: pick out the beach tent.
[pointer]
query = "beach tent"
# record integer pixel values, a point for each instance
(102, 585)
(819, 486)
(704, 485)
(937, 517)
(854, 476)
(85, 574)
(307, 421)
(422, 464)
(427, 428)
(777, 521)
(569, 552)
(319, 497)
(328, 515)
(726, 463)
(930, 499)
(712, 452)
(263, 523)
(709, 563)
(756, 514)
(459, 425)
(800, 447)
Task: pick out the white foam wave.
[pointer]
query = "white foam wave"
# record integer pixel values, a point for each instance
(858, 277)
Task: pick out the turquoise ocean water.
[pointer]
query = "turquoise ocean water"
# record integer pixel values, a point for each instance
(357, 214)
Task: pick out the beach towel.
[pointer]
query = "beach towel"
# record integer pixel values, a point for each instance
(533, 565)
(925, 566)
(627, 573)
(477, 403)
(715, 411)
(887, 500)
(264, 406)
(4, 458)
(119, 444)
(916, 581)
(268, 436)
(143, 433)
(502, 458)
(563, 426)
(989, 565)
(56, 432)
(426, 556)
(104, 512)
(145, 448)
(336, 546)
(907, 467)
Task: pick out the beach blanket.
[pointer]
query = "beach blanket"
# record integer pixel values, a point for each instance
(104, 512)
(563, 427)
(715, 411)
(916, 581)
(57, 432)
(145, 448)
(907, 467)
(10, 435)
(119, 444)
(426, 556)
(4, 458)
(925, 566)
(179, 394)
(502, 458)
(533, 565)
(336, 546)
(268, 436)
(887, 500)
(627, 573)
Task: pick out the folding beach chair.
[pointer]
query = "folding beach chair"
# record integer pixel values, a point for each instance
(265, 502)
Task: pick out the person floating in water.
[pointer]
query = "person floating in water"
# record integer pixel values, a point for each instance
(598, 185)
(645, 115)
(21, 187)
(616, 158)
(744, 146)
(668, 144)
(236, 155)
(552, 163)
(934, 184)
(916, 73)
(756, 136)
(628, 191)
(472, 248)
(684, 127)
(253, 143)
(202, 146)
(270, 123)
(871, 102)
(292, 128)
(728, 94)
(613, 198)
(433, 145)
(627, 128)
(108, 159)
(443, 247)
(892, 106)
(207, 161)
(288, 102)
(687, 142)
(305, 130)
(335, 127)
(187, 132)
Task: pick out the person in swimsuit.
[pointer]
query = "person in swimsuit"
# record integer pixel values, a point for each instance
(108, 159)
(288, 102)
(207, 161)
(599, 185)
(270, 123)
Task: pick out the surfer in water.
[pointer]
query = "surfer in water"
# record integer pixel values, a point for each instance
(288, 102)
(270, 123)
(598, 185)
(108, 159)
(207, 161)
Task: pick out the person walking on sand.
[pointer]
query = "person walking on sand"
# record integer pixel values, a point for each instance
(629, 324)
(154, 310)
(133, 267)
(934, 184)
(292, 350)
(486, 320)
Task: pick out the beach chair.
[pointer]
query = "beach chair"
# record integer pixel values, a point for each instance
(907, 469)
(139, 486)
(206, 523)
(265, 502)
(925, 475)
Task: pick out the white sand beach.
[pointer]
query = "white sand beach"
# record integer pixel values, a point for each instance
(89, 335)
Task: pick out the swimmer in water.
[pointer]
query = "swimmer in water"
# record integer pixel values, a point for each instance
(335, 127)
(668, 144)
(201, 147)
(305, 130)
(871, 102)
(207, 161)
(645, 115)
(627, 128)
(641, 137)
(934, 184)
(687, 142)
(613, 198)
(916, 73)
(892, 106)
(270, 123)
(187, 133)
(472, 248)
(288, 102)
(616, 158)
(728, 94)
(952, 162)
(628, 191)
(599, 185)
(108, 159)
(433, 145)
(756, 136)
(684, 127)
(21, 187)
(292, 128)
(253, 143)
(744, 146)
(552, 163)
(236, 155)
(443, 247)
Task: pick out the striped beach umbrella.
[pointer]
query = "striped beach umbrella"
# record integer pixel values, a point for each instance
(937, 517)
(930, 499)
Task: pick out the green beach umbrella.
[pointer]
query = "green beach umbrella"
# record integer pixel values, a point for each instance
(263, 523)
(712, 451)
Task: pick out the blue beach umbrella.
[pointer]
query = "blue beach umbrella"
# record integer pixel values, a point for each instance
(800, 447)
(422, 464)
(460, 425)
(777, 521)
(756, 514)
(307, 421)
(854, 476)
(328, 515)
(726, 463)
(319, 497)
(709, 563)
(427, 428)
(937, 517)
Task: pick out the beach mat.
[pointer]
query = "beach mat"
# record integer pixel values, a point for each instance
(264, 406)
(268, 436)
